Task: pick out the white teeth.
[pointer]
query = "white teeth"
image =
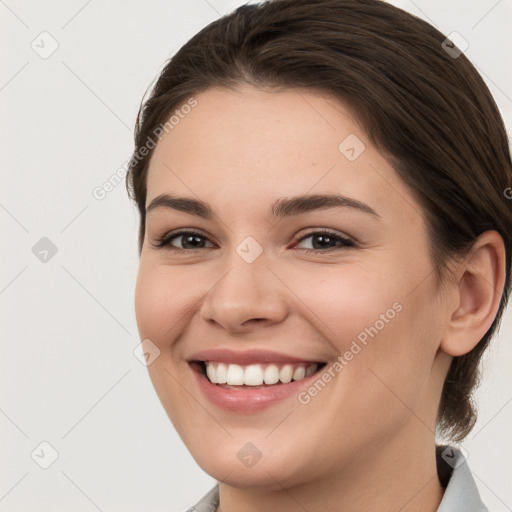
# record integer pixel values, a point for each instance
(256, 374)
(212, 373)
(235, 376)
(253, 375)
(299, 373)
(286, 373)
(311, 369)
(271, 375)
(222, 373)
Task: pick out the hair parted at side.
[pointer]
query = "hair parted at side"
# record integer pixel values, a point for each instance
(430, 114)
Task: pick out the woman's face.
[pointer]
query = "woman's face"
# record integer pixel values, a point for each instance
(261, 292)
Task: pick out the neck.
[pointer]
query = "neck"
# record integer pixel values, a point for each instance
(400, 475)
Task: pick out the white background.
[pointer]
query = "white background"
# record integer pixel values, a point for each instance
(68, 374)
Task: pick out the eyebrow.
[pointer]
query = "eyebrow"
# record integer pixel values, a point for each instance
(282, 207)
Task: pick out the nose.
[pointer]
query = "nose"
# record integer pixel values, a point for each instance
(248, 295)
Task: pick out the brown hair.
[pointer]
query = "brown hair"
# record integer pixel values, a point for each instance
(423, 106)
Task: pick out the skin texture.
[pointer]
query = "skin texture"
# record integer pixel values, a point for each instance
(367, 439)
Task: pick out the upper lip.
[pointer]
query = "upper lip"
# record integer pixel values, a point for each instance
(246, 357)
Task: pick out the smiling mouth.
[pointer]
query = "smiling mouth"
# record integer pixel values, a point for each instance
(235, 376)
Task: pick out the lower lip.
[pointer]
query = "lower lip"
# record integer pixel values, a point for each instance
(247, 399)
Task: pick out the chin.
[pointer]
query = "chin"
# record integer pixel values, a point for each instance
(263, 479)
(264, 474)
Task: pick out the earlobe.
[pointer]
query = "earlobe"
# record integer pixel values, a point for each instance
(480, 287)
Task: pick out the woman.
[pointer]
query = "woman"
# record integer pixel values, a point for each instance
(325, 253)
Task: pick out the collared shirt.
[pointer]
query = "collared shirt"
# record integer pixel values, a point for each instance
(461, 493)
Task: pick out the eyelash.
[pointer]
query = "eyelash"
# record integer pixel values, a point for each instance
(164, 241)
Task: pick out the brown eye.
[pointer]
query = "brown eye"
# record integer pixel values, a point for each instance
(192, 239)
(325, 240)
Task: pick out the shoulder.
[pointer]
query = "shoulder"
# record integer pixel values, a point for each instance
(461, 492)
(208, 503)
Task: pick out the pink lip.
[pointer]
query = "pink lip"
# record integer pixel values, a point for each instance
(247, 399)
(245, 357)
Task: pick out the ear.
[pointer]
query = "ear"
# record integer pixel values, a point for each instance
(478, 288)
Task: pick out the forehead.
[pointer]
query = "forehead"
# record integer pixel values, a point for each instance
(261, 144)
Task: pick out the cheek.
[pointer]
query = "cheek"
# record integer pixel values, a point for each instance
(161, 305)
(163, 300)
(386, 349)
(344, 301)
(375, 317)
(148, 303)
